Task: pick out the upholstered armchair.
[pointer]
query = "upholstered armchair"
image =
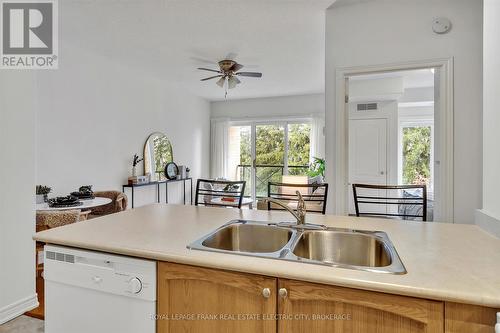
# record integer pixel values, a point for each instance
(119, 202)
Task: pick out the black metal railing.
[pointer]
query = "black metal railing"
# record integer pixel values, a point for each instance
(265, 173)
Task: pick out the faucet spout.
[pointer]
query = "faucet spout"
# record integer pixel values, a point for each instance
(300, 215)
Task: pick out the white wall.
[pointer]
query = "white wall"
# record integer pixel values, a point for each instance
(95, 114)
(269, 107)
(372, 90)
(17, 211)
(412, 95)
(489, 216)
(396, 31)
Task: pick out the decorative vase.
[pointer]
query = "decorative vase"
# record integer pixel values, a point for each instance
(134, 171)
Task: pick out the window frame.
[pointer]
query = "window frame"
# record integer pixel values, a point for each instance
(253, 123)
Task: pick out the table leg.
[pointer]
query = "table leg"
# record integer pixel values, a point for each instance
(158, 192)
(132, 189)
(184, 191)
(166, 192)
(191, 190)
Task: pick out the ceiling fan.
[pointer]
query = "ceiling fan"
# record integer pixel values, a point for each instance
(228, 71)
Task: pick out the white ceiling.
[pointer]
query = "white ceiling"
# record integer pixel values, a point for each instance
(419, 78)
(283, 39)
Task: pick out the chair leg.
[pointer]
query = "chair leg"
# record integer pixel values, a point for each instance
(84, 215)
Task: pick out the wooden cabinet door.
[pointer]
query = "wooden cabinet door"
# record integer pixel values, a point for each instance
(193, 299)
(464, 318)
(309, 307)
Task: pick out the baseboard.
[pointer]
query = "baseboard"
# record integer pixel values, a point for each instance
(488, 222)
(16, 309)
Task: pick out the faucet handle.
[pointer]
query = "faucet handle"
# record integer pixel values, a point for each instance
(301, 208)
(299, 195)
(301, 204)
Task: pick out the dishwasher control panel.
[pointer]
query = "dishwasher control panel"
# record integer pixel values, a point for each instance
(110, 273)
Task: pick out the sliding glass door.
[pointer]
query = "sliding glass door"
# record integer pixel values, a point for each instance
(261, 152)
(270, 151)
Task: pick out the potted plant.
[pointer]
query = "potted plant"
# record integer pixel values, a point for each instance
(136, 161)
(317, 168)
(42, 193)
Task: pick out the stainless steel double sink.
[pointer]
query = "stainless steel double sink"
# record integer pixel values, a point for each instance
(313, 244)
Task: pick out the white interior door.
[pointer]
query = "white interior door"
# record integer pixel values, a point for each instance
(367, 155)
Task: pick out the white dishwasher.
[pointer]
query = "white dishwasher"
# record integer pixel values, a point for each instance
(88, 291)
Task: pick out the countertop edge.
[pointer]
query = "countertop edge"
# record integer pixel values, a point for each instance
(430, 294)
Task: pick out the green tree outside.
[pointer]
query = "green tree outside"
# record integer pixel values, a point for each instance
(416, 155)
(270, 150)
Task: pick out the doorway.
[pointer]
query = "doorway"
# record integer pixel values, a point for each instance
(396, 128)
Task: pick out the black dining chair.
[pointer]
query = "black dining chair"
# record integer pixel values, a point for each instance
(314, 195)
(407, 202)
(219, 193)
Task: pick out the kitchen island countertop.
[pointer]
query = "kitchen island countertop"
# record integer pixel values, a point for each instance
(448, 262)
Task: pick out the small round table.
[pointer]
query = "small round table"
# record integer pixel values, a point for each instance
(87, 204)
(244, 202)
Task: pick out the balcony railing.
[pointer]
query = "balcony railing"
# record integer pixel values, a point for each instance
(266, 173)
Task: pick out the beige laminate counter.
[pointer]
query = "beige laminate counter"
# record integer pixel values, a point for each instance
(449, 262)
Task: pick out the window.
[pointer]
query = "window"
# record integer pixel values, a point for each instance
(261, 152)
(417, 153)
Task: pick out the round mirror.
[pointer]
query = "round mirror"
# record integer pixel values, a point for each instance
(157, 153)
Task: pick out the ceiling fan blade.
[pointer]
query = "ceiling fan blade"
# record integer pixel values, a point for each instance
(221, 81)
(249, 74)
(232, 82)
(209, 78)
(236, 67)
(208, 69)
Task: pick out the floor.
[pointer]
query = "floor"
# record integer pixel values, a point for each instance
(23, 324)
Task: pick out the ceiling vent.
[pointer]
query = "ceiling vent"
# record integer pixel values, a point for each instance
(367, 107)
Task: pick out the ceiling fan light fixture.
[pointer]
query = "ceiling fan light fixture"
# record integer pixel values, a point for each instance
(229, 70)
(232, 82)
(221, 81)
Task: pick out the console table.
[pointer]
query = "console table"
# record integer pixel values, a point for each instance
(157, 184)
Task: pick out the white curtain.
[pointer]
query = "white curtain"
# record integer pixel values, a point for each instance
(317, 145)
(219, 143)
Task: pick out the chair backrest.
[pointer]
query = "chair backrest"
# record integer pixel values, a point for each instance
(314, 195)
(118, 203)
(407, 202)
(219, 193)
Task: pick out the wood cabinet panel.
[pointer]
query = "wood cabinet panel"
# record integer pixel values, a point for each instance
(464, 318)
(346, 310)
(193, 299)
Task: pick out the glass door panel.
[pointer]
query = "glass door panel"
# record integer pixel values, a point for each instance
(240, 156)
(299, 135)
(269, 156)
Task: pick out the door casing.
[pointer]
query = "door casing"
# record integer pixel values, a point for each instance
(444, 132)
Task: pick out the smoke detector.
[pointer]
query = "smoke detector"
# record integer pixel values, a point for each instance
(441, 25)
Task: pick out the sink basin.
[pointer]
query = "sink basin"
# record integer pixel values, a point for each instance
(313, 244)
(347, 248)
(250, 237)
